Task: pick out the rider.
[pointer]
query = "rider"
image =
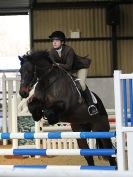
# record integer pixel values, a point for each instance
(65, 57)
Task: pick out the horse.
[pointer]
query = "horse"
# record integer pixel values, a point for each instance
(57, 97)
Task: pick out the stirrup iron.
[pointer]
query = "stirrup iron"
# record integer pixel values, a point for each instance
(93, 113)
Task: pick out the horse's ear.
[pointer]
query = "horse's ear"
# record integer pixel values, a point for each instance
(20, 58)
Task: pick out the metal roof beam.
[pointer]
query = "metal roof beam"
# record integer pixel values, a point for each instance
(84, 4)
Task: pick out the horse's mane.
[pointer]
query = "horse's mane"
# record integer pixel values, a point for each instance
(42, 55)
(38, 55)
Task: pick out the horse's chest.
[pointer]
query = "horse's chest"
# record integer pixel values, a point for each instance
(39, 94)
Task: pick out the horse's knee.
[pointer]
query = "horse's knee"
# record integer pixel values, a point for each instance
(37, 115)
(52, 119)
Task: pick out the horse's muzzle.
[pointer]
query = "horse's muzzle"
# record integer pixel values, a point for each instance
(24, 91)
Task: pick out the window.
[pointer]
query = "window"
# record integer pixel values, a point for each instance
(14, 40)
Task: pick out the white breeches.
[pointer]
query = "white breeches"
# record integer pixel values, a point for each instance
(82, 74)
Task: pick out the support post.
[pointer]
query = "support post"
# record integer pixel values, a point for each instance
(14, 120)
(120, 139)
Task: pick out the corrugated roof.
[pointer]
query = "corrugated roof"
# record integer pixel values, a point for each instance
(26, 3)
(18, 6)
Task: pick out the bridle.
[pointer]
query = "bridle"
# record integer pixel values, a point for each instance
(33, 81)
(48, 68)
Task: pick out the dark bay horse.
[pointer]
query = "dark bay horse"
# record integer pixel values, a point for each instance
(57, 98)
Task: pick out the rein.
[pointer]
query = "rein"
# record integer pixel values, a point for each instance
(69, 75)
(34, 80)
(52, 59)
(49, 68)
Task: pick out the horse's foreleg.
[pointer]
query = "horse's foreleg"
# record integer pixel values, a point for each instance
(35, 107)
(51, 116)
(82, 143)
(54, 112)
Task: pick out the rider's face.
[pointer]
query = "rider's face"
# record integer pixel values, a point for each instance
(57, 43)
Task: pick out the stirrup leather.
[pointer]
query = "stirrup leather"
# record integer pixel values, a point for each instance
(92, 113)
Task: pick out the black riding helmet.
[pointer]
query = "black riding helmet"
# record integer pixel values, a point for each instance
(57, 35)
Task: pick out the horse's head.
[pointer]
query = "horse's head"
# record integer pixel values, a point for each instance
(33, 65)
(27, 71)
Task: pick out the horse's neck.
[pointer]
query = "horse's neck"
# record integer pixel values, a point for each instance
(44, 73)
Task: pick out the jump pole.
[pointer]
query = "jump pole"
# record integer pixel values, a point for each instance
(57, 135)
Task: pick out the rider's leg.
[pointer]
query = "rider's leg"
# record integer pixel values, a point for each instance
(82, 74)
(88, 98)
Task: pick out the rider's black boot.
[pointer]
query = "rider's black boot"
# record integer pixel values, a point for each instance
(88, 99)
